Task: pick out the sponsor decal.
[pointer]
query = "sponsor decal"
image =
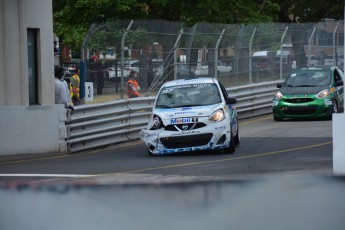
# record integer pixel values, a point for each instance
(185, 133)
(332, 90)
(220, 127)
(183, 120)
(183, 113)
(328, 102)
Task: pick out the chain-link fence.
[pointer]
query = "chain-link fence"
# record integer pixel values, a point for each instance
(235, 54)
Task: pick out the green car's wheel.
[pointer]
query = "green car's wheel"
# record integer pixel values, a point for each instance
(277, 118)
(335, 107)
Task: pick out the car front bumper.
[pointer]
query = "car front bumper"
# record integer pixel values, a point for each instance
(212, 137)
(318, 108)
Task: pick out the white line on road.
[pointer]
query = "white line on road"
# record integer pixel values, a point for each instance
(46, 175)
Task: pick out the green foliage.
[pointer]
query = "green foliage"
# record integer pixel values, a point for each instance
(72, 18)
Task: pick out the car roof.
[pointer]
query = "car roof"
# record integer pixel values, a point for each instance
(201, 80)
(318, 68)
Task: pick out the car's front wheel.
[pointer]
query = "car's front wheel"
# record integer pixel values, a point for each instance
(335, 107)
(231, 148)
(237, 136)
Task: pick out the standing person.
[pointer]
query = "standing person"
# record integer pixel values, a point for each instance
(97, 74)
(60, 88)
(74, 87)
(132, 85)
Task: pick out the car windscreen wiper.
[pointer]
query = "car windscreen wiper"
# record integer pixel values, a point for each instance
(304, 85)
(162, 106)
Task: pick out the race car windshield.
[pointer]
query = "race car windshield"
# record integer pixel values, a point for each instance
(309, 79)
(188, 95)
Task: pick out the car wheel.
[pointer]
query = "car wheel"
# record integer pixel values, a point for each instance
(335, 107)
(277, 118)
(231, 148)
(150, 152)
(237, 136)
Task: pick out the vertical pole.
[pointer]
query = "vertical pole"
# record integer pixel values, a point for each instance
(175, 52)
(251, 56)
(334, 45)
(123, 56)
(309, 46)
(216, 53)
(281, 54)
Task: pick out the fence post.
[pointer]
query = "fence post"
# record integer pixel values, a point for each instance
(216, 53)
(309, 46)
(251, 57)
(123, 56)
(175, 54)
(335, 62)
(281, 54)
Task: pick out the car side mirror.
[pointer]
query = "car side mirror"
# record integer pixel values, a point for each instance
(279, 85)
(231, 100)
(339, 83)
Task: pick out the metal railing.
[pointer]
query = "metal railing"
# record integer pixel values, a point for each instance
(100, 125)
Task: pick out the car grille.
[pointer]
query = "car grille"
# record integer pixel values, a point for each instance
(186, 141)
(298, 100)
(184, 127)
(300, 110)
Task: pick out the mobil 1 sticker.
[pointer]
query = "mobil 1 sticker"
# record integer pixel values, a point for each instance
(183, 120)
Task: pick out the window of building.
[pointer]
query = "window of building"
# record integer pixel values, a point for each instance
(33, 66)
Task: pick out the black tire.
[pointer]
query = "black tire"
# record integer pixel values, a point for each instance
(277, 118)
(335, 108)
(150, 153)
(237, 138)
(231, 148)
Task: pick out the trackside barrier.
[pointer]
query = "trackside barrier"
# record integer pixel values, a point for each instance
(99, 125)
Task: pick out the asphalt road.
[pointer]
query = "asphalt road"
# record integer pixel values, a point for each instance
(280, 177)
(267, 147)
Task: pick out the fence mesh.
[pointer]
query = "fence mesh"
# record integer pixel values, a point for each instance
(235, 54)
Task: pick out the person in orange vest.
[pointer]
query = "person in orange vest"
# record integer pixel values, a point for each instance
(74, 87)
(132, 85)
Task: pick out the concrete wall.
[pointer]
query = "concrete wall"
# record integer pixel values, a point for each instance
(338, 125)
(16, 16)
(28, 129)
(32, 129)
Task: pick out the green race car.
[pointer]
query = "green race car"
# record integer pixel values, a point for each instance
(310, 93)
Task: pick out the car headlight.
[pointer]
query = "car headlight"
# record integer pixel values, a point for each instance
(278, 95)
(217, 116)
(323, 94)
(156, 123)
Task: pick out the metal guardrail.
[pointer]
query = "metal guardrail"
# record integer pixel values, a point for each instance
(100, 125)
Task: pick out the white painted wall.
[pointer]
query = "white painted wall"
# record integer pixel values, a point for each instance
(28, 129)
(32, 129)
(15, 18)
(338, 123)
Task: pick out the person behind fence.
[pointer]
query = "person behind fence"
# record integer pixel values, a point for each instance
(132, 85)
(74, 87)
(97, 74)
(61, 91)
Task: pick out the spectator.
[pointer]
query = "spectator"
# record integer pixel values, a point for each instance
(60, 88)
(132, 85)
(74, 87)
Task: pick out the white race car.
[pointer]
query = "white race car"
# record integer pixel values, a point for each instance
(192, 115)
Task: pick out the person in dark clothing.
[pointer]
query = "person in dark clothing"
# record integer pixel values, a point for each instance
(97, 74)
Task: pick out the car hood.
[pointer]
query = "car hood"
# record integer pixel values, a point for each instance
(302, 90)
(195, 111)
